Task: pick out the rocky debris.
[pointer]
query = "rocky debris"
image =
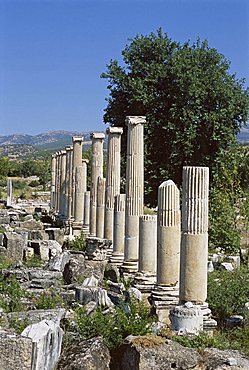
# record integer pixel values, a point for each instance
(43, 278)
(16, 352)
(55, 233)
(86, 294)
(58, 262)
(90, 354)
(35, 316)
(31, 224)
(46, 337)
(147, 352)
(79, 268)
(112, 272)
(97, 248)
(45, 249)
(14, 245)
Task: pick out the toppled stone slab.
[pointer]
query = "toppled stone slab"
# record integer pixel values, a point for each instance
(46, 337)
(148, 352)
(46, 249)
(90, 354)
(16, 352)
(31, 224)
(14, 245)
(35, 316)
(55, 233)
(59, 262)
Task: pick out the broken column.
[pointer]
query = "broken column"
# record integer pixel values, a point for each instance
(119, 230)
(53, 174)
(145, 279)
(112, 177)
(9, 193)
(194, 244)
(86, 212)
(62, 183)
(97, 171)
(77, 185)
(100, 213)
(134, 190)
(166, 292)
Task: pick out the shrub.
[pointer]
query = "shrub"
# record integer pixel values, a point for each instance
(49, 300)
(116, 326)
(11, 294)
(20, 185)
(34, 183)
(228, 292)
(79, 243)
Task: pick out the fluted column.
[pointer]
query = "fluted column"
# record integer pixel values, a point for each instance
(84, 187)
(86, 212)
(168, 239)
(58, 178)
(194, 245)
(112, 177)
(166, 291)
(147, 244)
(68, 149)
(134, 190)
(77, 184)
(9, 193)
(100, 214)
(119, 229)
(62, 183)
(96, 171)
(53, 174)
(70, 183)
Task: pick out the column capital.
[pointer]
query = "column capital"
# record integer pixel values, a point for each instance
(114, 130)
(68, 148)
(77, 139)
(85, 160)
(135, 120)
(63, 152)
(97, 135)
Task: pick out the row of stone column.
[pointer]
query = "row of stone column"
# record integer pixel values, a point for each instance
(119, 217)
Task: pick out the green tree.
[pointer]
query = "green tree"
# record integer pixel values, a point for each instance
(4, 167)
(194, 107)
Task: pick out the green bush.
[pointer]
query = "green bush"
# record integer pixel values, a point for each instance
(20, 185)
(34, 261)
(116, 326)
(237, 338)
(79, 243)
(227, 292)
(34, 183)
(11, 294)
(49, 300)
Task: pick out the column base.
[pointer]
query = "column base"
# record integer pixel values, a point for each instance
(130, 266)
(117, 258)
(145, 281)
(77, 228)
(209, 324)
(85, 230)
(163, 299)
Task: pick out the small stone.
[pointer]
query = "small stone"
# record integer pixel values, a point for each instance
(231, 361)
(189, 305)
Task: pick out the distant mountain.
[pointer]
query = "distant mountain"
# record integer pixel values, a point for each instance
(48, 140)
(243, 136)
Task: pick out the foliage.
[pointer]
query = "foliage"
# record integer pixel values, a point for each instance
(19, 324)
(34, 261)
(227, 292)
(34, 183)
(237, 339)
(79, 243)
(115, 327)
(18, 184)
(193, 106)
(48, 300)
(229, 202)
(10, 294)
(4, 167)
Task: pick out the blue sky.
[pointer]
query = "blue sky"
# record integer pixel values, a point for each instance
(52, 52)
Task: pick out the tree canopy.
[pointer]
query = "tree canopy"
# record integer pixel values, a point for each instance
(193, 105)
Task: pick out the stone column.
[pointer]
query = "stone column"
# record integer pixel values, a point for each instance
(9, 193)
(53, 174)
(100, 214)
(86, 212)
(84, 169)
(194, 245)
(58, 181)
(70, 184)
(63, 183)
(68, 150)
(145, 279)
(119, 230)
(77, 185)
(97, 171)
(112, 177)
(134, 190)
(166, 292)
